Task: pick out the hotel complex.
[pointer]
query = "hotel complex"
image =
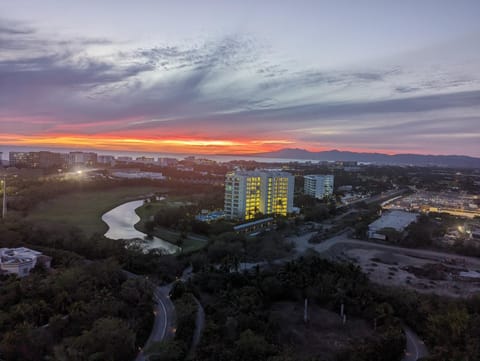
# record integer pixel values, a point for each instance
(319, 186)
(248, 193)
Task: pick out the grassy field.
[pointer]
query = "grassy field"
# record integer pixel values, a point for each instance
(84, 209)
(191, 243)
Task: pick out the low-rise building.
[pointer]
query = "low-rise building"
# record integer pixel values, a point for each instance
(397, 220)
(137, 174)
(167, 162)
(145, 160)
(21, 261)
(255, 226)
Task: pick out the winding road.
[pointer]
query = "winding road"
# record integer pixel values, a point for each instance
(164, 322)
(416, 348)
(121, 221)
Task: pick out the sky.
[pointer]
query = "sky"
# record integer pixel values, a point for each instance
(241, 77)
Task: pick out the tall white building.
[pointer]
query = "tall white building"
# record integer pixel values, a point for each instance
(319, 185)
(248, 193)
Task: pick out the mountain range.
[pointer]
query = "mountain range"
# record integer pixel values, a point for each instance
(454, 161)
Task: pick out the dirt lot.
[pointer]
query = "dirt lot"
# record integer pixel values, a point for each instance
(424, 274)
(323, 336)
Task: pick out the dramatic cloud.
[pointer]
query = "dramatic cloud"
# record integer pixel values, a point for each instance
(231, 93)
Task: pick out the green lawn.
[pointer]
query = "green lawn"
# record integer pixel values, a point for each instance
(84, 209)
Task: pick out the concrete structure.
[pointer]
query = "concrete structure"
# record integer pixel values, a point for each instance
(21, 261)
(106, 159)
(255, 226)
(456, 203)
(319, 185)
(124, 159)
(82, 159)
(21, 159)
(136, 174)
(145, 160)
(42, 159)
(258, 192)
(398, 220)
(167, 162)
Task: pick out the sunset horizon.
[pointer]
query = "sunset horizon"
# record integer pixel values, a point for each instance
(226, 81)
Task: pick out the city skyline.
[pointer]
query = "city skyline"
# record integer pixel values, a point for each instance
(236, 78)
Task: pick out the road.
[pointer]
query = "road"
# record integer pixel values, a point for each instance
(199, 326)
(200, 319)
(301, 245)
(416, 348)
(378, 198)
(164, 322)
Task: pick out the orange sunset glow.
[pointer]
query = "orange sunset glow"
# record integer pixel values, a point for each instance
(179, 85)
(172, 145)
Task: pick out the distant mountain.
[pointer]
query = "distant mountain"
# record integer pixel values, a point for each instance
(454, 161)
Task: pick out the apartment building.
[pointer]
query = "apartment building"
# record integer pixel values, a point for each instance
(319, 185)
(249, 193)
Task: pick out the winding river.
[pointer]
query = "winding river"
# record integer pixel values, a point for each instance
(121, 225)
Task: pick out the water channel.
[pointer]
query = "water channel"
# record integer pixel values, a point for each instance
(121, 222)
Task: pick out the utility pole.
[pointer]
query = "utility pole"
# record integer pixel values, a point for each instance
(4, 204)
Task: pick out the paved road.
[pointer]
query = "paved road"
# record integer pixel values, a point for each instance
(199, 326)
(164, 323)
(415, 346)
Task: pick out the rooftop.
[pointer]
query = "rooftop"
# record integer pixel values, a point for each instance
(10, 256)
(398, 220)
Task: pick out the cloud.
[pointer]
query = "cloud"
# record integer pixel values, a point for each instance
(219, 88)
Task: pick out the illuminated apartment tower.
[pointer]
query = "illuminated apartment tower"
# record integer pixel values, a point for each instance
(250, 193)
(319, 186)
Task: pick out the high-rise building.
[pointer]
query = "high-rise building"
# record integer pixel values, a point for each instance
(47, 159)
(248, 194)
(319, 185)
(21, 159)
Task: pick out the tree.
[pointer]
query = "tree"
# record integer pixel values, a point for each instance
(166, 351)
(252, 347)
(448, 328)
(117, 343)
